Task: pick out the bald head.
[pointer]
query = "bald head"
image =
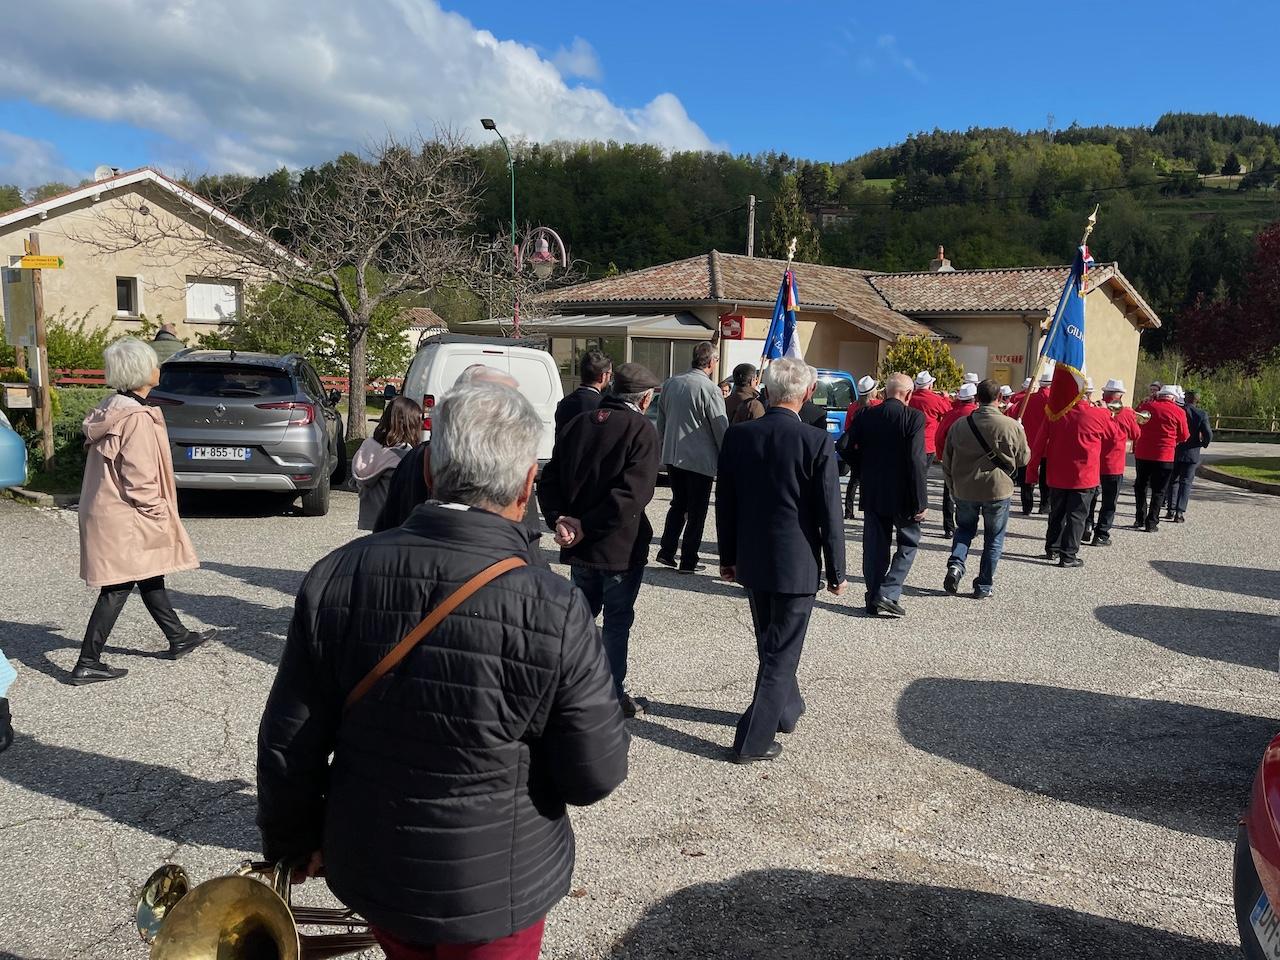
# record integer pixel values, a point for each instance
(898, 386)
(480, 373)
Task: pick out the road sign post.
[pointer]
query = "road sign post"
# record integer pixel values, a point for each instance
(44, 398)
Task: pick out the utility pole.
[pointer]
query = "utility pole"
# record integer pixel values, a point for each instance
(44, 400)
(751, 225)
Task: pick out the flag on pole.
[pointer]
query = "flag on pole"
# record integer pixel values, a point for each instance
(783, 340)
(1065, 345)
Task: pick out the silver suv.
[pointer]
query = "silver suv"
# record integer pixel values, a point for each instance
(252, 421)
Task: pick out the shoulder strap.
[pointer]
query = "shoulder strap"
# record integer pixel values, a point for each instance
(433, 620)
(982, 441)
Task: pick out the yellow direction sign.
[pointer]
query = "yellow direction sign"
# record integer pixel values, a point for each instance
(33, 262)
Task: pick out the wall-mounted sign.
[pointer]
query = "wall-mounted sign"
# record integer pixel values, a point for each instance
(1007, 358)
(731, 325)
(19, 307)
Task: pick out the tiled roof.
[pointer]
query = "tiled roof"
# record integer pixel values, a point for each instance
(423, 318)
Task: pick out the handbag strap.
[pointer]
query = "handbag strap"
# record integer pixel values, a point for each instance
(986, 447)
(429, 623)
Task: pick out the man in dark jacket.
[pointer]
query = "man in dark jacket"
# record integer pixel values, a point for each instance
(886, 450)
(596, 369)
(436, 803)
(779, 523)
(593, 493)
(1186, 457)
(744, 402)
(166, 342)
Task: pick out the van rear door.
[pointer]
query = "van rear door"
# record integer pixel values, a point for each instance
(539, 381)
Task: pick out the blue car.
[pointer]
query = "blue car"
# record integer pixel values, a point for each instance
(13, 456)
(836, 390)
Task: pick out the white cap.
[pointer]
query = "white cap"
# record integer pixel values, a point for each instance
(1047, 375)
(1168, 390)
(1113, 386)
(924, 378)
(1088, 384)
(967, 391)
(867, 384)
(1005, 390)
(1026, 383)
(970, 378)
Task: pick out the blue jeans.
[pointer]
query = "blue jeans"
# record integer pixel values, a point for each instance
(995, 518)
(615, 593)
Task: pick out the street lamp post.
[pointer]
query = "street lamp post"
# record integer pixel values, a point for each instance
(489, 124)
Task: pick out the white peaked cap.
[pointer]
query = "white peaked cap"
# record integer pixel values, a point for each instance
(924, 378)
(1113, 386)
(867, 384)
(1088, 384)
(1168, 390)
(1026, 383)
(970, 378)
(1006, 390)
(1047, 375)
(967, 391)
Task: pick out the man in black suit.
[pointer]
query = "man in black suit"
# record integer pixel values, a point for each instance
(886, 451)
(596, 370)
(780, 525)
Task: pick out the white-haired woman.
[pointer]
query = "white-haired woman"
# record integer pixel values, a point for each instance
(130, 533)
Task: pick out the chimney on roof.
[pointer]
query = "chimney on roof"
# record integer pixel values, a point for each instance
(940, 264)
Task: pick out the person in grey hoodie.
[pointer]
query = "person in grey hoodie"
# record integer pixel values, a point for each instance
(398, 432)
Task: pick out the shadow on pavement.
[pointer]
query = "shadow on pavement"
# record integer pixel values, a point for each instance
(247, 627)
(1182, 767)
(1246, 581)
(678, 739)
(274, 578)
(679, 711)
(204, 505)
(31, 643)
(804, 915)
(148, 797)
(1247, 639)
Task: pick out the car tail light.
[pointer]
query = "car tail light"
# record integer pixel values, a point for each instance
(428, 404)
(164, 401)
(307, 411)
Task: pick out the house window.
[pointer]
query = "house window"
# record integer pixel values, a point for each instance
(212, 301)
(127, 296)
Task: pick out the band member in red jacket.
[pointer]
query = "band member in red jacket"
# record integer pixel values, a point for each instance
(1113, 454)
(1069, 451)
(965, 403)
(1032, 422)
(1153, 452)
(934, 406)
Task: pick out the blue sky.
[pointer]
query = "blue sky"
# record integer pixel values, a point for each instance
(824, 80)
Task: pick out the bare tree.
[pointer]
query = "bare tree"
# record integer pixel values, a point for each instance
(350, 237)
(508, 292)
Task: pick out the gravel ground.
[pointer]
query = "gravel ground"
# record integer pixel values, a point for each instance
(1054, 772)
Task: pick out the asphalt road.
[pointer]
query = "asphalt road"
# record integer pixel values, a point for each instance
(1055, 772)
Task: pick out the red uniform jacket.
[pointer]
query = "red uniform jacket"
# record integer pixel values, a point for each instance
(959, 409)
(1032, 421)
(1165, 430)
(1113, 448)
(934, 406)
(857, 407)
(1074, 447)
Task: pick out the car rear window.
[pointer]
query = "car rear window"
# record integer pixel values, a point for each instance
(833, 394)
(224, 380)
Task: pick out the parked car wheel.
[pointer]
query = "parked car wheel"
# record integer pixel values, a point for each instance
(315, 502)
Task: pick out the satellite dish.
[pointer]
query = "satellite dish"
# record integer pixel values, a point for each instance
(103, 172)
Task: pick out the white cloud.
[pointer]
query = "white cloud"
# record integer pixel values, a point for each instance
(245, 85)
(28, 162)
(578, 60)
(888, 43)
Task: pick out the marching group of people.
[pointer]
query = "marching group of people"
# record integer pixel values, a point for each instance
(429, 781)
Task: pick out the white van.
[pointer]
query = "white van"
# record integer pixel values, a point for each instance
(441, 359)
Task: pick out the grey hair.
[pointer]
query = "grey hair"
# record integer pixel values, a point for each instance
(787, 380)
(484, 439)
(898, 385)
(128, 363)
(483, 373)
(634, 398)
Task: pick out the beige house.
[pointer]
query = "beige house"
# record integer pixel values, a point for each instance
(177, 274)
(991, 319)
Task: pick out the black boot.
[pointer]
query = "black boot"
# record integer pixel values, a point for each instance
(6, 725)
(90, 668)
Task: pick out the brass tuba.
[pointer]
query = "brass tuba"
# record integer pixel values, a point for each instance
(242, 916)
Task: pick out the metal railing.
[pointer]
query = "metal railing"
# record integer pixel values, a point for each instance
(1248, 425)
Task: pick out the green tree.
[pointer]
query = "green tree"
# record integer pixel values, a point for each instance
(10, 197)
(47, 190)
(788, 222)
(910, 355)
(1231, 166)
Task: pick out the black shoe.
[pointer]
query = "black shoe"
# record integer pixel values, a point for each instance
(1051, 554)
(1179, 518)
(1070, 562)
(948, 531)
(696, 568)
(188, 643)
(1101, 541)
(6, 725)
(631, 707)
(1087, 537)
(775, 748)
(1152, 527)
(1044, 511)
(1140, 525)
(871, 609)
(95, 673)
(890, 608)
(1026, 513)
(951, 582)
(979, 594)
(665, 561)
(1169, 515)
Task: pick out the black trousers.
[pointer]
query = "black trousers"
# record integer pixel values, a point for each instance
(781, 622)
(1108, 493)
(107, 610)
(1067, 512)
(1028, 490)
(851, 498)
(1148, 491)
(884, 577)
(1179, 490)
(690, 499)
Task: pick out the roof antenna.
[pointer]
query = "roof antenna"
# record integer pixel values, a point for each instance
(233, 353)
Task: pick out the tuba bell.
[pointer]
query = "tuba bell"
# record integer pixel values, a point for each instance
(246, 915)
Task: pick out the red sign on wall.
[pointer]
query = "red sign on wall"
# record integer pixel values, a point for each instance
(1007, 358)
(731, 325)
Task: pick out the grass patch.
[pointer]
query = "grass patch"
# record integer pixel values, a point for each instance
(879, 183)
(1266, 469)
(52, 483)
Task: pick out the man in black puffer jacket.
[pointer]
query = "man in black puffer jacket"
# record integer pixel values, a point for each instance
(441, 816)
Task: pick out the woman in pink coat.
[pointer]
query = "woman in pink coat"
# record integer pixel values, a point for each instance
(130, 533)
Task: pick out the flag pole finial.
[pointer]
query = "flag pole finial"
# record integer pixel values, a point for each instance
(1091, 223)
(791, 251)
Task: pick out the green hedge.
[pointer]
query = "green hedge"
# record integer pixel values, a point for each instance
(72, 405)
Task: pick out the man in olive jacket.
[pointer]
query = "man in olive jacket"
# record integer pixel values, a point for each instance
(982, 453)
(436, 804)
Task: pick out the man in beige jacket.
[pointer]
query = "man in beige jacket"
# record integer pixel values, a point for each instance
(983, 450)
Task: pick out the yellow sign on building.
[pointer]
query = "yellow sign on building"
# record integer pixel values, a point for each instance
(33, 262)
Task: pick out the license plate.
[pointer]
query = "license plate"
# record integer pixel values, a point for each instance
(219, 453)
(1266, 926)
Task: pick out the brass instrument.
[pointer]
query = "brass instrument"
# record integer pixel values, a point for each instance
(1143, 416)
(242, 916)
